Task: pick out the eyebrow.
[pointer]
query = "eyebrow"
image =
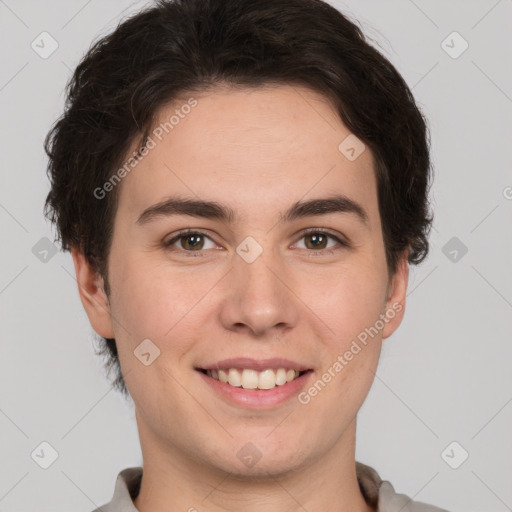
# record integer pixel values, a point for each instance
(217, 211)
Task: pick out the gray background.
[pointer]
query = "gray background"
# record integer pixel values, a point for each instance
(445, 374)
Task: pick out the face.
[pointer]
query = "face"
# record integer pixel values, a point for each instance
(259, 282)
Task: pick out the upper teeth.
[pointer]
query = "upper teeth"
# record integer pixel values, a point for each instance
(251, 379)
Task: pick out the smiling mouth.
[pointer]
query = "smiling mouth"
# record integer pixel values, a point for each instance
(251, 379)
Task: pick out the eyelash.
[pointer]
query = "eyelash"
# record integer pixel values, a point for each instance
(168, 244)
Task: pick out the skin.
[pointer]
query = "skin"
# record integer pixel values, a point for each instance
(257, 151)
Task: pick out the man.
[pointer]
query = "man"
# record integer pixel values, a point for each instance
(242, 186)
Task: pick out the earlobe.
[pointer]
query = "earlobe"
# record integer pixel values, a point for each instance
(92, 294)
(395, 304)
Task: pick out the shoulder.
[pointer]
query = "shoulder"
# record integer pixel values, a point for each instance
(126, 489)
(381, 495)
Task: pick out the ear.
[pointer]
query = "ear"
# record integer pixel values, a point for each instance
(397, 290)
(92, 295)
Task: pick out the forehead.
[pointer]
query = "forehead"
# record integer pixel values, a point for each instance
(249, 148)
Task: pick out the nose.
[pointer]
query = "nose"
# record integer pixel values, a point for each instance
(259, 298)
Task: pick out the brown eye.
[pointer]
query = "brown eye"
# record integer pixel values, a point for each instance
(318, 240)
(192, 241)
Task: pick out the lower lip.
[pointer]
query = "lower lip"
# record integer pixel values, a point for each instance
(257, 398)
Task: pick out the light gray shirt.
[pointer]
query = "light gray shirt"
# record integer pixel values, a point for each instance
(378, 493)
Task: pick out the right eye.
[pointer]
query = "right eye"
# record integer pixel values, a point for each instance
(190, 241)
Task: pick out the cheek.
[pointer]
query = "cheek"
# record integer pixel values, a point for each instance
(350, 307)
(351, 300)
(154, 302)
(148, 305)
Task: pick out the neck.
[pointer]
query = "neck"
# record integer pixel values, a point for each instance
(173, 481)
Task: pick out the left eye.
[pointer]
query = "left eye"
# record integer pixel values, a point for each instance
(319, 239)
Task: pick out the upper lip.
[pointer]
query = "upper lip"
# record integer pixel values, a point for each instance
(255, 364)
